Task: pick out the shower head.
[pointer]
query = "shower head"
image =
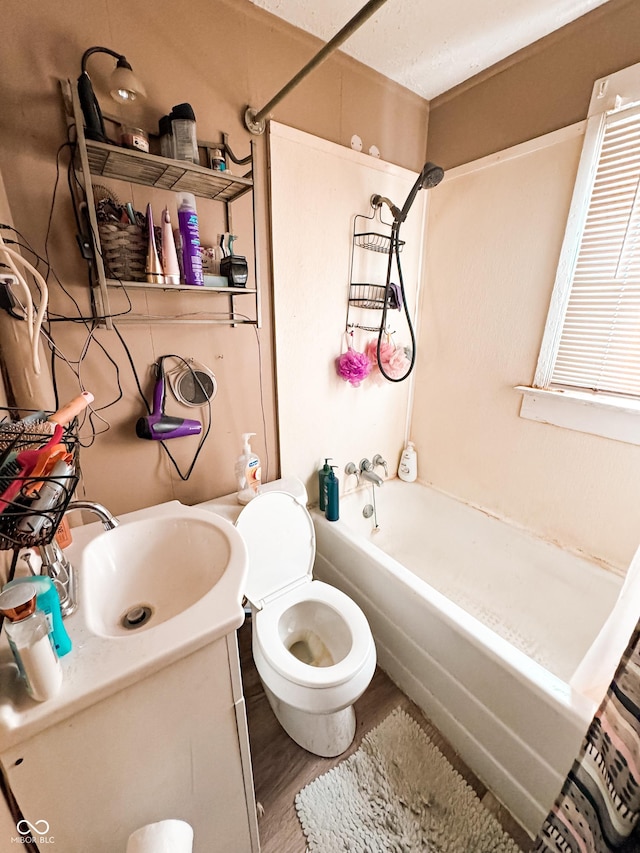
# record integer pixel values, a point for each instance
(429, 177)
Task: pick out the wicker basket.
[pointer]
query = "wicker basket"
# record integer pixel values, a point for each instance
(124, 250)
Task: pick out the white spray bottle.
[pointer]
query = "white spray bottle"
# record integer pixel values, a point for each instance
(247, 471)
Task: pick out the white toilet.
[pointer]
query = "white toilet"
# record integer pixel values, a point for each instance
(312, 645)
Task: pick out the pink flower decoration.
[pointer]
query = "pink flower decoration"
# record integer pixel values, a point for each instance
(394, 360)
(353, 366)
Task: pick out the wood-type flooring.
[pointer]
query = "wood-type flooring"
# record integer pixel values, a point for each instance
(281, 768)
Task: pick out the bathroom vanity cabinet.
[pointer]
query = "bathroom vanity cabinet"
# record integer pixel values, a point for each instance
(173, 744)
(96, 160)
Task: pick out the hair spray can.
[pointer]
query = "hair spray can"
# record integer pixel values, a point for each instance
(190, 239)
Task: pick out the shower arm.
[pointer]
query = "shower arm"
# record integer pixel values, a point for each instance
(255, 119)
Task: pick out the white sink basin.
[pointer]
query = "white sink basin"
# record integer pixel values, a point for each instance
(149, 570)
(188, 565)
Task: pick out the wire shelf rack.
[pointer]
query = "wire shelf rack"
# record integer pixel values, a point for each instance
(367, 295)
(375, 242)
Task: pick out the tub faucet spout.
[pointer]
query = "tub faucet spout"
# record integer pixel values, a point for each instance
(367, 473)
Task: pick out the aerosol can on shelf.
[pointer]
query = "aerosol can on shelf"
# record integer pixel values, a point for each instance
(247, 471)
(408, 468)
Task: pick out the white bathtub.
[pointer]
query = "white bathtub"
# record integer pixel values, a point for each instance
(481, 624)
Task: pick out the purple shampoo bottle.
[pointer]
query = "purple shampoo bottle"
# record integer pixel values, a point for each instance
(190, 239)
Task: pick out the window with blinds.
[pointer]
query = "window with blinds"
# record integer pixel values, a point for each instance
(599, 344)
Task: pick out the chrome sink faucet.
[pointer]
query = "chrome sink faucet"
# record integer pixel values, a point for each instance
(108, 520)
(367, 472)
(57, 566)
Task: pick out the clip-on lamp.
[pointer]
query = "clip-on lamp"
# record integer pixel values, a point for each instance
(124, 87)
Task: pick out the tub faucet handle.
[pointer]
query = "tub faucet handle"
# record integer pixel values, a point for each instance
(378, 460)
(350, 468)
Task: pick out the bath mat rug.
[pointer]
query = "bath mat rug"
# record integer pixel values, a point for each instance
(397, 793)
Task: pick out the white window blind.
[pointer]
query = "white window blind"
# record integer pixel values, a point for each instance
(599, 348)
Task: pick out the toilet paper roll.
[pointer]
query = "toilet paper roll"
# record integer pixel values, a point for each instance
(167, 836)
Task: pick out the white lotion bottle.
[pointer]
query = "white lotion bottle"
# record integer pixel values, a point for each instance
(170, 265)
(248, 471)
(408, 468)
(27, 631)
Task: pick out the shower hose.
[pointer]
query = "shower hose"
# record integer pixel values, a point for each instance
(394, 251)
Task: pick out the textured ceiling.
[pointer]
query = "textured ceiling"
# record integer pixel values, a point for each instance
(429, 46)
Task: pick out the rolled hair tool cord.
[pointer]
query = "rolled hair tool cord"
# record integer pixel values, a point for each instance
(196, 379)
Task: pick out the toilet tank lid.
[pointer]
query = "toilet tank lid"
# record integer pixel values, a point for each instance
(281, 543)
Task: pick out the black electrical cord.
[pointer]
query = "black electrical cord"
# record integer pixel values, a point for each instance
(196, 379)
(394, 251)
(90, 321)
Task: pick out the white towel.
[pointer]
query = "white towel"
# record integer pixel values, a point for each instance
(167, 836)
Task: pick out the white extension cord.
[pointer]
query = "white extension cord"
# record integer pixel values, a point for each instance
(34, 324)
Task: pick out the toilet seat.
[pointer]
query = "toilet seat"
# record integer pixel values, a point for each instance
(280, 539)
(267, 628)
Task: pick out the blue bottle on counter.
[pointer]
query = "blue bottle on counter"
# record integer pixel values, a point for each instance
(332, 496)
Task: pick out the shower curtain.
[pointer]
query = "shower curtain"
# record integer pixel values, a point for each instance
(598, 808)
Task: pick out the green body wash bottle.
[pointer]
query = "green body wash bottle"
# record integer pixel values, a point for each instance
(331, 510)
(323, 473)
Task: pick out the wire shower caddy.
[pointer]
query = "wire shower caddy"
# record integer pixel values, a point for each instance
(365, 294)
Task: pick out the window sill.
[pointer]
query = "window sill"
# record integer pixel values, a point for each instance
(596, 414)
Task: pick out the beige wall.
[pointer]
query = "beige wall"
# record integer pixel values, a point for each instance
(219, 56)
(494, 237)
(320, 414)
(541, 88)
(494, 234)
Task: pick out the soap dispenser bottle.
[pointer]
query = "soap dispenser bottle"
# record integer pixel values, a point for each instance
(247, 471)
(408, 468)
(323, 473)
(332, 487)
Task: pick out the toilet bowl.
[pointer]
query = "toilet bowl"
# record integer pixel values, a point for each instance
(312, 645)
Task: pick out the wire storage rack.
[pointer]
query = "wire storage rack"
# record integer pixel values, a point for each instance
(366, 294)
(373, 241)
(39, 465)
